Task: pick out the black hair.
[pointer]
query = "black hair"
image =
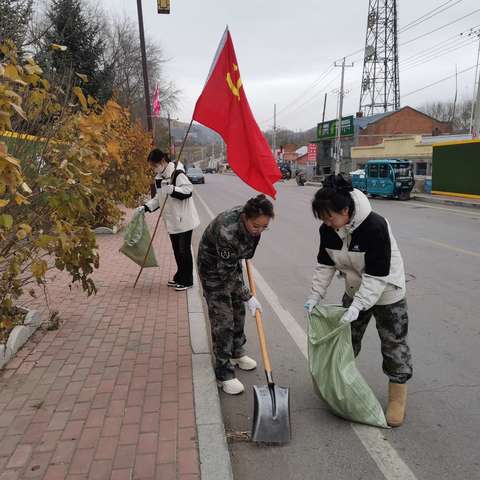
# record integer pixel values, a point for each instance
(257, 206)
(156, 156)
(334, 196)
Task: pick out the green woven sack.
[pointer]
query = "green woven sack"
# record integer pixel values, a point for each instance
(332, 366)
(136, 241)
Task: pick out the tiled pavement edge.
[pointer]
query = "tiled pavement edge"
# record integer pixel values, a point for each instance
(119, 391)
(214, 456)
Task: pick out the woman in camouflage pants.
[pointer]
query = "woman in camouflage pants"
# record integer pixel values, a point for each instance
(359, 244)
(231, 237)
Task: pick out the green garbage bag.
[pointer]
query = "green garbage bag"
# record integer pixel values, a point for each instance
(332, 366)
(136, 241)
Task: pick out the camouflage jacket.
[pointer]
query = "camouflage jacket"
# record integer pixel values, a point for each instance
(224, 244)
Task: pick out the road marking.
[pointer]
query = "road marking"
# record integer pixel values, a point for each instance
(450, 247)
(462, 213)
(383, 454)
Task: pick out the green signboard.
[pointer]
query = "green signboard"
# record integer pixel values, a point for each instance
(328, 130)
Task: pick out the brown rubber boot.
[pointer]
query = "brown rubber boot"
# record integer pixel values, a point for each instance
(397, 399)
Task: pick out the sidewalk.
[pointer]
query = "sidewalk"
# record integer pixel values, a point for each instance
(110, 395)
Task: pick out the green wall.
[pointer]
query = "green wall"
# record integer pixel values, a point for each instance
(456, 168)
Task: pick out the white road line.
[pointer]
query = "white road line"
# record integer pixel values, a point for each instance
(383, 454)
(450, 247)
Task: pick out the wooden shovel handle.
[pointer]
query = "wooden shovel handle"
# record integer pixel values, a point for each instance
(258, 318)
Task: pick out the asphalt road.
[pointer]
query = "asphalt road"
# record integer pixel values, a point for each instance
(441, 251)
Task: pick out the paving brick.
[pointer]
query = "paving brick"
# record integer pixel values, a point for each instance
(81, 461)
(125, 457)
(167, 451)
(166, 472)
(144, 466)
(89, 438)
(64, 451)
(56, 472)
(20, 456)
(129, 434)
(188, 461)
(147, 443)
(112, 427)
(100, 470)
(106, 448)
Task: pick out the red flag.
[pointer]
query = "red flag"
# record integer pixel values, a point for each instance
(156, 102)
(223, 107)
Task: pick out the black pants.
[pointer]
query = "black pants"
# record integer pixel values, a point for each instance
(182, 250)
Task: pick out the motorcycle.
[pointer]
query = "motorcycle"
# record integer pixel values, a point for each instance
(301, 178)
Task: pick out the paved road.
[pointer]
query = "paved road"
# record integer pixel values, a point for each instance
(441, 249)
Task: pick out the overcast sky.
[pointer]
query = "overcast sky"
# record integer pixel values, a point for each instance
(284, 46)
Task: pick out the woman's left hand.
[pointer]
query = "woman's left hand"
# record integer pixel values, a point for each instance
(350, 315)
(253, 305)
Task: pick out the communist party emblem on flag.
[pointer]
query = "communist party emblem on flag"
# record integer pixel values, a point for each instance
(223, 107)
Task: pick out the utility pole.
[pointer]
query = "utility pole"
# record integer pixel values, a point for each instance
(475, 112)
(274, 136)
(338, 139)
(323, 121)
(144, 66)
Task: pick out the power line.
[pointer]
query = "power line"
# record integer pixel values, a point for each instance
(427, 16)
(429, 58)
(438, 81)
(440, 28)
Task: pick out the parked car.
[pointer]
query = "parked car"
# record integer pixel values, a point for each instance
(209, 170)
(195, 175)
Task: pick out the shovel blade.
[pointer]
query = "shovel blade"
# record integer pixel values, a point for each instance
(271, 414)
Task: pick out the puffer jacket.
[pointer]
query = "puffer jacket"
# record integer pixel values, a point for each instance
(367, 256)
(180, 214)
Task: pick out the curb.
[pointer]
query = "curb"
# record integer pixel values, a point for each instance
(18, 336)
(444, 201)
(215, 461)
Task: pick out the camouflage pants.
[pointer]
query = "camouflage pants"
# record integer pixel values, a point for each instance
(392, 326)
(226, 311)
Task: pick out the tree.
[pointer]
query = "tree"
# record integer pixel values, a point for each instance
(446, 111)
(72, 25)
(126, 61)
(15, 16)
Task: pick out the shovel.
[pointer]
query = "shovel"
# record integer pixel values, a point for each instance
(271, 414)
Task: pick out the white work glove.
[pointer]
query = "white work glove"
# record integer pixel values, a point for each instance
(253, 305)
(168, 189)
(350, 315)
(311, 301)
(140, 209)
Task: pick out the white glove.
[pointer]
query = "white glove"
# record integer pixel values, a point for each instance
(253, 305)
(350, 315)
(140, 209)
(311, 301)
(168, 189)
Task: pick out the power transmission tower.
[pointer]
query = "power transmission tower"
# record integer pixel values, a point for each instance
(380, 89)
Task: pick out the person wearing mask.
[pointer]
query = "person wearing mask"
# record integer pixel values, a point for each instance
(359, 244)
(231, 237)
(180, 215)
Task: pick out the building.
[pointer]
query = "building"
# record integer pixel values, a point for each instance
(407, 120)
(372, 131)
(418, 149)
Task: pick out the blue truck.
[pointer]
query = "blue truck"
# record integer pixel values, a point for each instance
(388, 177)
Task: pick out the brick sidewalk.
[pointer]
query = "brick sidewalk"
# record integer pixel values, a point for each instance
(109, 394)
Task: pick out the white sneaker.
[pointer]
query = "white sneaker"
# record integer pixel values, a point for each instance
(244, 363)
(232, 387)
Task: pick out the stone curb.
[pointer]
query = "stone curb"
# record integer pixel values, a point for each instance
(445, 201)
(18, 336)
(215, 461)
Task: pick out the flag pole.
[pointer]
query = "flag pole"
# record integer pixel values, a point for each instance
(163, 206)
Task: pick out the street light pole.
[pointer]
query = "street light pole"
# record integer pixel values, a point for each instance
(144, 66)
